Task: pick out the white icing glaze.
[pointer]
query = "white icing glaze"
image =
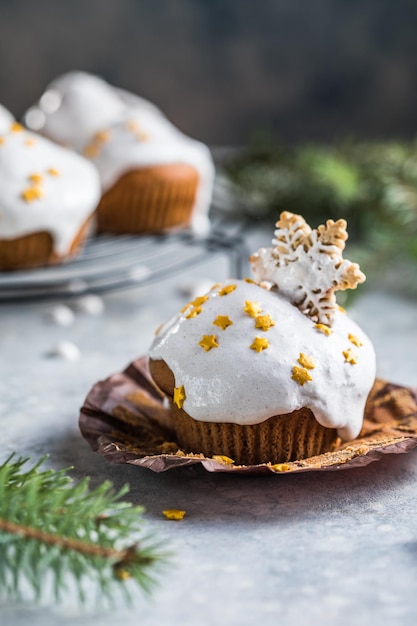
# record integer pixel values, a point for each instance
(6, 119)
(69, 194)
(86, 105)
(233, 383)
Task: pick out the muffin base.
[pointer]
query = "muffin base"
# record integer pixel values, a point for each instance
(37, 250)
(149, 200)
(279, 439)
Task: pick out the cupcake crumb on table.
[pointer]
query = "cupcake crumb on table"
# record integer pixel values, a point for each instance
(270, 370)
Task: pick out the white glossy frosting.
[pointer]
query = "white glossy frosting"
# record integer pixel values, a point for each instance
(77, 106)
(6, 119)
(44, 187)
(234, 383)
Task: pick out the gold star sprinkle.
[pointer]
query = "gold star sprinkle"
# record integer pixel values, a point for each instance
(306, 361)
(215, 286)
(250, 281)
(32, 193)
(91, 151)
(208, 342)
(259, 344)
(195, 311)
(142, 136)
(132, 126)
(199, 300)
(103, 136)
(264, 322)
(221, 458)
(121, 573)
(223, 321)
(36, 178)
(30, 142)
(355, 340)
(226, 290)
(300, 375)
(350, 356)
(52, 172)
(341, 309)
(174, 514)
(179, 396)
(323, 328)
(252, 308)
(280, 467)
(16, 127)
(2, 140)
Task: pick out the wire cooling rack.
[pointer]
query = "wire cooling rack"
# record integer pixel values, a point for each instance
(108, 263)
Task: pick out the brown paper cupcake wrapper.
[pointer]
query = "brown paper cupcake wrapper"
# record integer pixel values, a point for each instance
(278, 439)
(124, 418)
(149, 200)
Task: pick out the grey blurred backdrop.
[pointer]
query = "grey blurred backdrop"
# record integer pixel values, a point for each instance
(225, 69)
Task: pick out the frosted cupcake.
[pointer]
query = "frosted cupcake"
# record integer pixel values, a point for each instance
(270, 370)
(48, 195)
(153, 177)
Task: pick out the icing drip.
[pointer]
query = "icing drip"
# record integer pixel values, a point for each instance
(119, 131)
(249, 374)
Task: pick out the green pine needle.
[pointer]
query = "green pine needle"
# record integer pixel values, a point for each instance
(54, 533)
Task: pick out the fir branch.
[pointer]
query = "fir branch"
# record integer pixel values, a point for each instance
(54, 530)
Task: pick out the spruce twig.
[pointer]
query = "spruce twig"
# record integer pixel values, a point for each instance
(53, 531)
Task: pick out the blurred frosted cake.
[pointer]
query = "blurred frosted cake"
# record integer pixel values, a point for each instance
(270, 369)
(153, 176)
(48, 195)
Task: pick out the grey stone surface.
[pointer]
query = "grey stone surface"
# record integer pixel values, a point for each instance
(319, 548)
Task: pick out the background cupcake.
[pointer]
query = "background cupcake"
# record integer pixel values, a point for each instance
(48, 195)
(153, 176)
(270, 371)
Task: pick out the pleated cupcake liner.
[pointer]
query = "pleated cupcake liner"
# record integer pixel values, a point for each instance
(126, 419)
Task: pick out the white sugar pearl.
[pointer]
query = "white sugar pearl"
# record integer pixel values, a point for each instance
(65, 350)
(61, 315)
(90, 304)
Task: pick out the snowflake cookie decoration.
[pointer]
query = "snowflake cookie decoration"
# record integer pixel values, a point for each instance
(307, 265)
